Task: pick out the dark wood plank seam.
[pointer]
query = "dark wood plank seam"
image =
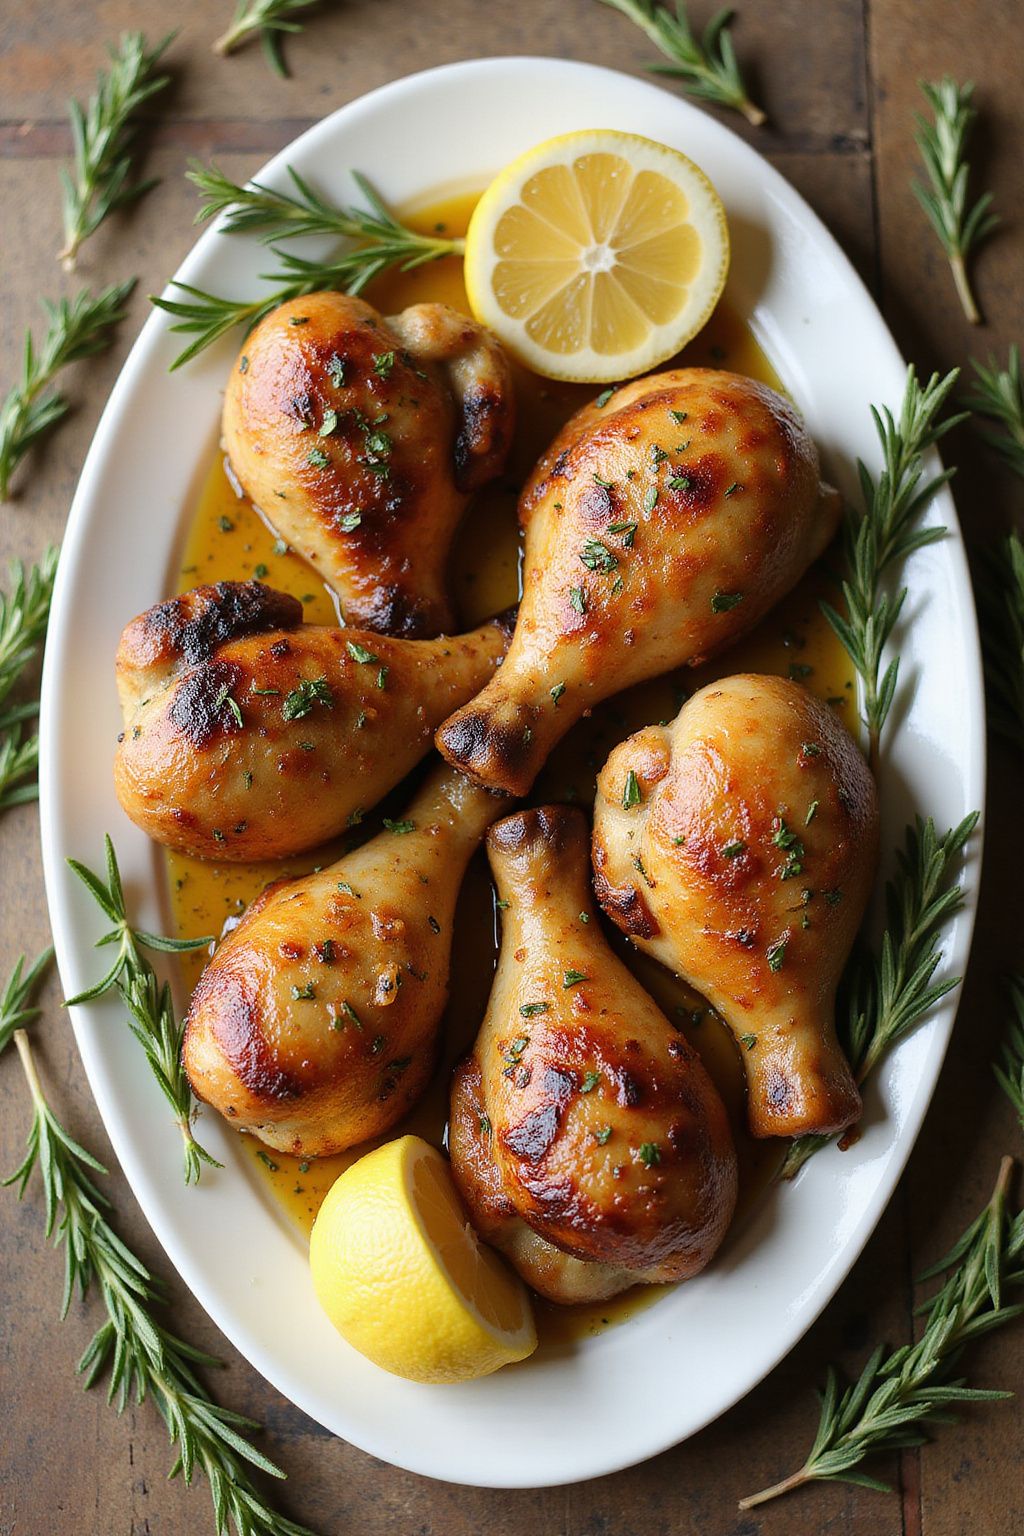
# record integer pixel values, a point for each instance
(869, 97)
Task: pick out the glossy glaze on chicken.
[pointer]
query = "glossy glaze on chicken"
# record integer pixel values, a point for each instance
(586, 1137)
(361, 440)
(661, 525)
(250, 735)
(315, 1024)
(738, 845)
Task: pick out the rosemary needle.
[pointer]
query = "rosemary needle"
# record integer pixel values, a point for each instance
(377, 241)
(270, 20)
(24, 613)
(998, 397)
(150, 1005)
(883, 532)
(100, 179)
(706, 67)
(885, 995)
(141, 1357)
(943, 146)
(77, 328)
(1009, 1069)
(898, 1395)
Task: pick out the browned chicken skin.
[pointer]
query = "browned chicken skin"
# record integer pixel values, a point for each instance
(249, 735)
(660, 527)
(738, 845)
(586, 1137)
(315, 1024)
(361, 440)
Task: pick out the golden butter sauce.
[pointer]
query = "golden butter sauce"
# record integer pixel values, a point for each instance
(228, 540)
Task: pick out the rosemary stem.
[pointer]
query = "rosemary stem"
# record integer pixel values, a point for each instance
(795, 1480)
(229, 40)
(29, 1066)
(754, 116)
(963, 287)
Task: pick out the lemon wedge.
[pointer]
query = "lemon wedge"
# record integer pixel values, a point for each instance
(597, 255)
(404, 1278)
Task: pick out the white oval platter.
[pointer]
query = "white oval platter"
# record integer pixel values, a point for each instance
(657, 1378)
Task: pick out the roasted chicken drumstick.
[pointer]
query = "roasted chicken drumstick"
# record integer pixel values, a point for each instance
(738, 845)
(661, 524)
(250, 735)
(588, 1141)
(361, 439)
(315, 1024)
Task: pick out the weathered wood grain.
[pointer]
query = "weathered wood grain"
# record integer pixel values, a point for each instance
(838, 82)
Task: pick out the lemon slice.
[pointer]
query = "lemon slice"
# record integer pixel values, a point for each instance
(597, 255)
(404, 1278)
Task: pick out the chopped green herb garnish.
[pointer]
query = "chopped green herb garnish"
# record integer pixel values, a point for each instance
(578, 599)
(529, 1010)
(631, 795)
(733, 850)
(329, 423)
(597, 556)
(812, 811)
(268, 1162)
(360, 653)
(749, 1041)
(557, 691)
(776, 954)
(308, 693)
(606, 485)
(225, 524)
(650, 498)
(679, 482)
(383, 362)
(603, 1135)
(336, 370)
(603, 398)
(723, 601)
(650, 1153)
(304, 994)
(573, 978)
(317, 458)
(590, 1082)
(398, 827)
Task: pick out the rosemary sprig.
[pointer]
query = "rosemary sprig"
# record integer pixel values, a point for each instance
(77, 328)
(1009, 1069)
(706, 67)
(898, 1396)
(886, 994)
(943, 146)
(998, 395)
(149, 1003)
(271, 19)
(883, 532)
(24, 612)
(100, 180)
(16, 1007)
(380, 241)
(142, 1357)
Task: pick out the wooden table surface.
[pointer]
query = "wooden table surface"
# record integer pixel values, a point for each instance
(838, 79)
